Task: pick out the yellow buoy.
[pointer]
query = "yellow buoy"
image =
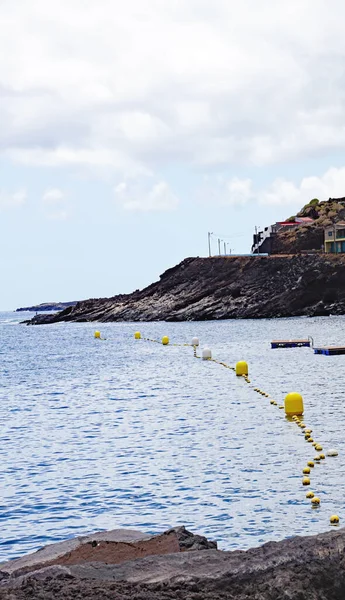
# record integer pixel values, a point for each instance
(271, 401)
(241, 368)
(315, 501)
(314, 444)
(137, 335)
(306, 481)
(293, 404)
(308, 430)
(306, 471)
(334, 520)
(322, 456)
(318, 447)
(317, 458)
(281, 406)
(307, 436)
(165, 340)
(310, 494)
(97, 335)
(303, 425)
(310, 463)
(310, 440)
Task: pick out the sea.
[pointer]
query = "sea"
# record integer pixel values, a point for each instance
(118, 432)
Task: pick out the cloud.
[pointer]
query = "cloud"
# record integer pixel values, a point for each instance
(127, 87)
(280, 192)
(330, 185)
(10, 200)
(55, 203)
(53, 196)
(134, 196)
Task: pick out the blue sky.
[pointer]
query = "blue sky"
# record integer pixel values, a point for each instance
(130, 130)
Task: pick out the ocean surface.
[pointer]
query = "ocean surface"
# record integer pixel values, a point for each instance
(121, 433)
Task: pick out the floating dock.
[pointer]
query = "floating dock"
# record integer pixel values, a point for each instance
(331, 351)
(290, 344)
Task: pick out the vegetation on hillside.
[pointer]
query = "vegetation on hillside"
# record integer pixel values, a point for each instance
(310, 236)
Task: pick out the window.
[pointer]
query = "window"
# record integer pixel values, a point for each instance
(330, 234)
(341, 233)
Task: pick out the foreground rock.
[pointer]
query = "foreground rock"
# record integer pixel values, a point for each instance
(226, 288)
(110, 547)
(299, 568)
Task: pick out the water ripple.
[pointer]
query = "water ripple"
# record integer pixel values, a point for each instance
(130, 434)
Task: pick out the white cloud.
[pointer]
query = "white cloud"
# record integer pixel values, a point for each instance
(128, 86)
(134, 196)
(12, 200)
(56, 205)
(330, 185)
(53, 196)
(280, 192)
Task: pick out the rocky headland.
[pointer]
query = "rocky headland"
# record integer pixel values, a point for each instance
(125, 564)
(226, 287)
(47, 307)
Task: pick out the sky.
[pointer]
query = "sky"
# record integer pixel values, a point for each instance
(129, 130)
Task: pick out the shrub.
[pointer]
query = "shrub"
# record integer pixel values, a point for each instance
(314, 202)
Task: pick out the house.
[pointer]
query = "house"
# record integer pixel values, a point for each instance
(335, 238)
(263, 240)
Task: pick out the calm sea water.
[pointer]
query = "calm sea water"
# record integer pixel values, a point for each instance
(122, 433)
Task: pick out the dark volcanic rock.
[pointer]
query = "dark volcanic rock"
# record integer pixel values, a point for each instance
(226, 288)
(299, 568)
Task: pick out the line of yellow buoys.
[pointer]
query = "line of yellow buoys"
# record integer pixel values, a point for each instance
(293, 405)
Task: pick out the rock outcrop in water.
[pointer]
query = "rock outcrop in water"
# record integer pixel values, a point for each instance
(299, 568)
(226, 288)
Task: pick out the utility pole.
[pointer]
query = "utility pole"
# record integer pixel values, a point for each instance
(209, 242)
(256, 239)
(219, 246)
(224, 249)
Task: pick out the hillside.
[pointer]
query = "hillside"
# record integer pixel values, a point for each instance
(224, 288)
(310, 237)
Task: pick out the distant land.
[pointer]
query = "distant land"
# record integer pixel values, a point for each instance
(294, 278)
(47, 307)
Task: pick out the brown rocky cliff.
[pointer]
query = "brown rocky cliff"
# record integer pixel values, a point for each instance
(226, 287)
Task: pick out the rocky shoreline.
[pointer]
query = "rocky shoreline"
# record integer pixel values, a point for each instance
(178, 564)
(200, 289)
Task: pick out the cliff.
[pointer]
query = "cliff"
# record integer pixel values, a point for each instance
(226, 288)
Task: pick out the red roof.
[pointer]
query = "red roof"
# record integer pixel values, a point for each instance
(286, 223)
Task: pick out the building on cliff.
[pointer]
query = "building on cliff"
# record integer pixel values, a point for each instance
(263, 240)
(335, 238)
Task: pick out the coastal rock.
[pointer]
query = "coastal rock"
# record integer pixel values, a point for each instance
(298, 568)
(225, 288)
(110, 547)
